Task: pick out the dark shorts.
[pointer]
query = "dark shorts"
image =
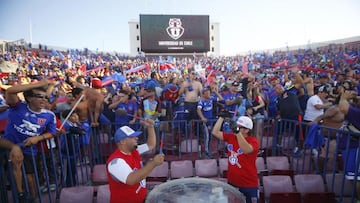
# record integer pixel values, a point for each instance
(190, 110)
(29, 164)
(250, 193)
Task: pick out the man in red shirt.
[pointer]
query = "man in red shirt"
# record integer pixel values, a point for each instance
(242, 152)
(125, 170)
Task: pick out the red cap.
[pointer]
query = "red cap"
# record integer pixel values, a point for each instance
(274, 78)
(96, 83)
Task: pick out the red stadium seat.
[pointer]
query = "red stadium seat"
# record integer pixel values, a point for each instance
(309, 183)
(103, 194)
(321, 197)
(77, 194)
(288, 197)
(181, 169)
(158, 175)
(277, 184)
(99, 175)
(277, 162)
(223, 166)
(260, 164)
(206, 168)
(334, 183)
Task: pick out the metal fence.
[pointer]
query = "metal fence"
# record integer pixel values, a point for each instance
(71, 164)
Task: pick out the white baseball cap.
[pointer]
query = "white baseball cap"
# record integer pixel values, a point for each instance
(245, 122)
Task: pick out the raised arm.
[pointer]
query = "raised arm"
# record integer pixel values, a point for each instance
(217, 129)
(11, 93)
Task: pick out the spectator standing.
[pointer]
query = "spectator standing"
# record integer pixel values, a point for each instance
(150, 107)
(242, 152)
(125, 170)
(205, 113)
(121, 104)
(28, 124)
(70, 146)
(316, 104)
(289, 109)
(192, 90)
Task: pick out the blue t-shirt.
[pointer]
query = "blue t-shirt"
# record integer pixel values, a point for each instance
(24, 123)
(230, 96)
(206, 107)
(131, 107)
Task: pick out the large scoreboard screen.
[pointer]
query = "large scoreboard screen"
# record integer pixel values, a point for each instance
(174, 33)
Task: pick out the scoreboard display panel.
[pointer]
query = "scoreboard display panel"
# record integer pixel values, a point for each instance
(174, 33)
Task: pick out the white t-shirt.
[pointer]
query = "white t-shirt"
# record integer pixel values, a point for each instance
(121, 175)
(311, 113)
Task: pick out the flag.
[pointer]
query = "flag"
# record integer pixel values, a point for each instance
(83, 67)
(138, 68)
(164, 67)
(95, 69)
(245, 68)
(350, 58)
(210, 77)
(107, 80)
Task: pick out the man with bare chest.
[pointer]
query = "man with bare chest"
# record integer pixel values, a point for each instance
(192, 89)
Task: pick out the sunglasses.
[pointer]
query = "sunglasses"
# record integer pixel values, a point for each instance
(40, 96)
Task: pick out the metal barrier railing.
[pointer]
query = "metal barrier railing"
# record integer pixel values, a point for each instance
(71, 164)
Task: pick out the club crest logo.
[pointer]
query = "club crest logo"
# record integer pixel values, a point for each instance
(175, 29)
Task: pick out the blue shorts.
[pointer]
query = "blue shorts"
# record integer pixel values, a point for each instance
(251, 194)
(86, 138)
(351, 159)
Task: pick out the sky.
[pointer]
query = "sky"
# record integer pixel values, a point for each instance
(245, 25)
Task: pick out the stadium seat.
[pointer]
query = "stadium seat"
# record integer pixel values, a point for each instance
(309, 183)
(277, 184)
(99, 175)
(181, 169)
(157, 176)
(334, 183)
(160, 173)
(260, 164)
(77, 194)
(277, 162)
(288, 197)
(266, 142)
(288, 172)
(223, 166)
(320, 197)
(303, 165)
(103, 194)
(83, 174)
(206, 168)
(189, 146)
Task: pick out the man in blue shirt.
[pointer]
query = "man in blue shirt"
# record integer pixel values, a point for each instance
(28, 123)
(205, 113)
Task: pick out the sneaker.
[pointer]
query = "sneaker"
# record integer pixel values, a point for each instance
(297, 152)
(25, 198)
(85, 160)
(44, 189)
(209, 155)
(314, 152)
(52, 187)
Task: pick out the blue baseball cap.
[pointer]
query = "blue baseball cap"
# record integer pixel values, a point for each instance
(125, 132)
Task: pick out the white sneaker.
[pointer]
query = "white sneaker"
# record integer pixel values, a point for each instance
(314, 152)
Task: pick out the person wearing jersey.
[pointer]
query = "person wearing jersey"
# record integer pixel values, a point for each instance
(28, 124)
(150, 107)
(205, 113)
(125, 169)
(242, 152)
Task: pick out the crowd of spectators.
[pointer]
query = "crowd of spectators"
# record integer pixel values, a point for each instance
(123, 90)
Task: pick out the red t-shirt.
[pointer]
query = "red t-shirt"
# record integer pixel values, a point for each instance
(242, 170)
(121, 192)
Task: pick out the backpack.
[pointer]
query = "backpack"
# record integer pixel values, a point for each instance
(170, 93)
